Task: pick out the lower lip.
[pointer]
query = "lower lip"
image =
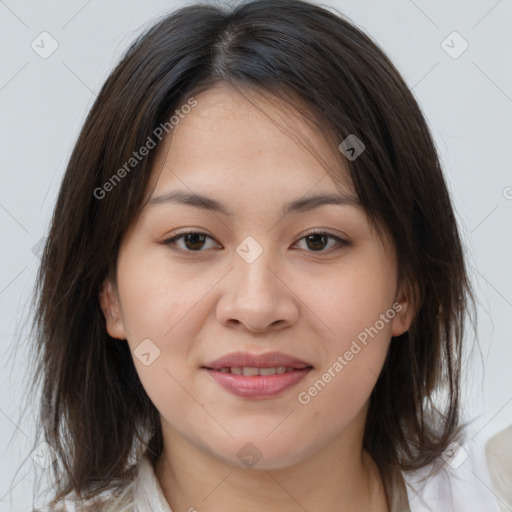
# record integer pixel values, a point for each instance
(258, 386)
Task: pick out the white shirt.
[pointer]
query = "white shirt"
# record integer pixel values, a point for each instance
(463, 485)
(498, 452)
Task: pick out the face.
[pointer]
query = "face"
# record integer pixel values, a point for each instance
(249, 279)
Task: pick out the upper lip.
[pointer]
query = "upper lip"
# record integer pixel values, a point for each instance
(267, 360)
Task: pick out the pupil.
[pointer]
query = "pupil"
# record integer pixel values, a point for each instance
(311, 237)
(194, 237)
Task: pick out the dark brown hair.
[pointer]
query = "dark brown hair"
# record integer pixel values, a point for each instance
(94, 411)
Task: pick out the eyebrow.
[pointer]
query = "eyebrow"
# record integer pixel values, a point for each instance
(301, 205)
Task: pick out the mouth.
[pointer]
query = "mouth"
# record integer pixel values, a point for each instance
(251, 371)
(257, 376)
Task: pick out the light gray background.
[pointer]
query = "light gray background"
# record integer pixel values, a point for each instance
(466, 100)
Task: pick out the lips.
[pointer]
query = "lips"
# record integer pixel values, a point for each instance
(248, 360)
(253, 376)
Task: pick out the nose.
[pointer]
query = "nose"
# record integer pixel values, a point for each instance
(256, 296)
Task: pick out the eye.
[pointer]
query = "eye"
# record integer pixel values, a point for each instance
(317, 239)
(194, 241)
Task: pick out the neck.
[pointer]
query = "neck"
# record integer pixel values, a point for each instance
(341, 476)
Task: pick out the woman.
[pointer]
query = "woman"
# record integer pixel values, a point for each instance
(199, 346)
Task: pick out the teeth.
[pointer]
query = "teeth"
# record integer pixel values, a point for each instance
(251, 371)
(247, 370)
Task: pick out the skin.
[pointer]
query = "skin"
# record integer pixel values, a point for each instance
(308, 300)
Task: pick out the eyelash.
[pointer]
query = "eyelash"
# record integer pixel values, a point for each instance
(341, 242)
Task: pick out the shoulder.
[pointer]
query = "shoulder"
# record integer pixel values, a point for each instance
(147, 492)
(498, 452)
(499, 447)
(462, 482)
(73, 506)
(108, 501)
(141, 494)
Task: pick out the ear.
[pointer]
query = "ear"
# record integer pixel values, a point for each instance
(109, 304)
(405, 309)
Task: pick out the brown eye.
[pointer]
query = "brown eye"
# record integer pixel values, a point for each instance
(317, 241)
(193, 241)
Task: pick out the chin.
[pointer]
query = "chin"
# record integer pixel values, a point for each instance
(260, 454)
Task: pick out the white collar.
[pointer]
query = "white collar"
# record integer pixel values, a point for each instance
(147, 492)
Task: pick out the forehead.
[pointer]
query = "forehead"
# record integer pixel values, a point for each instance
(250, 140)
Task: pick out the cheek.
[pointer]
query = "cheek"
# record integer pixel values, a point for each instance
(160, 315)
(169, 305)
(352, 361)
(355, 309)
(352, 299)
(159, 300)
